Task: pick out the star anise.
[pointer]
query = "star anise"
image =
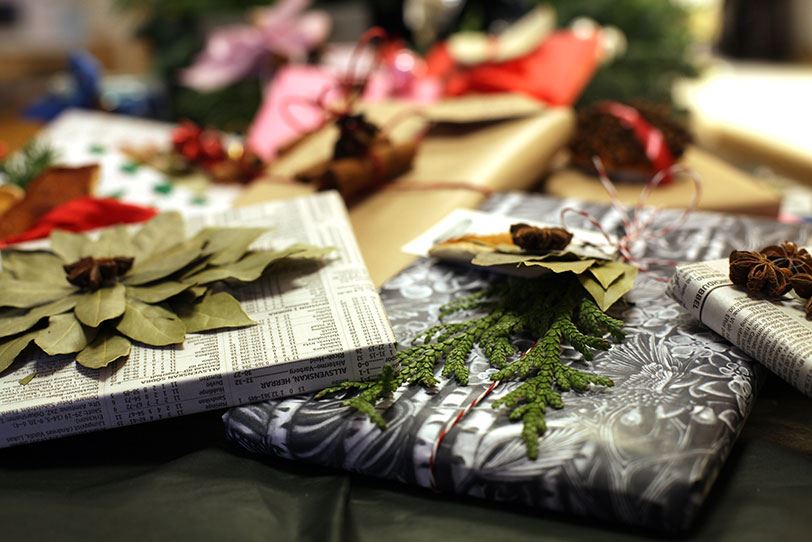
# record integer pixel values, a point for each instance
(790, 256)
(356, 135)
(94, 273)
(534, 239)
(802, 284)
(758, 275)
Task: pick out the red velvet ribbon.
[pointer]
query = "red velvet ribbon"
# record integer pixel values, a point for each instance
(83, 214)
(650, 137)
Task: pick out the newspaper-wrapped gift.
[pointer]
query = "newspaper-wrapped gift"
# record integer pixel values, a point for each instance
(645, 452)
(478, 143)
(724, 188)
(312, 329)
(775, 332)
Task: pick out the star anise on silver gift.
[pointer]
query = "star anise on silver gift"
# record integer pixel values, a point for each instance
(756, 273)
(535, 239)
(90, 274)
(790, 256)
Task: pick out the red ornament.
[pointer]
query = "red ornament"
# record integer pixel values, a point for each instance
(197, 145)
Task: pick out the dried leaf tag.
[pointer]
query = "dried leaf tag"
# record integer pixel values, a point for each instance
(609, 272)
(605, 298)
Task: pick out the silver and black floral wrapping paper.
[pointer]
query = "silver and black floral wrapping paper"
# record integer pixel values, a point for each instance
(644, 452)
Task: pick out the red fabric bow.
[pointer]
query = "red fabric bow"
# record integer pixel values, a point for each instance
(81, 215)
(556, 72)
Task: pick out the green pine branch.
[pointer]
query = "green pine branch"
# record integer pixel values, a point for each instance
(555, 310)
(26, 165)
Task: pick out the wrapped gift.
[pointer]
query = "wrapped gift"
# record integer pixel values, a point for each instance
(476, 144)
(645, 452)
(724, 188)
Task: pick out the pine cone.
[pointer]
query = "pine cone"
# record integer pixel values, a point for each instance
(600, 134)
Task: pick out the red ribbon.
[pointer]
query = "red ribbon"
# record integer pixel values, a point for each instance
(650, 137)
(83, 214)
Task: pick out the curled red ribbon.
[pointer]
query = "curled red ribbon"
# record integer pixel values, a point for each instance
(650, 137)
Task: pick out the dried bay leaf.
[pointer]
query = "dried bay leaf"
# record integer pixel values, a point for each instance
(157, 292)
(194, 269)
(25, 294)
(93, 308)
(216, 311)
(112, 242)
(577, 267)
(17, 321)
(191, 294)
(163, 264)
(159, 234)
(227, 245)
(68, 246)
(609, 272)
(605, 298)
(151, 324)
(65, 334)
(309, 252)
(107, 347)
(248, 269)
(11, 348)
(35, 266)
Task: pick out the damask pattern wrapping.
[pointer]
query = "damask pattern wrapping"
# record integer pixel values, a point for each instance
(645, 452)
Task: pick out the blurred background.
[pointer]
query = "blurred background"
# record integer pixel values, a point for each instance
(739, 71)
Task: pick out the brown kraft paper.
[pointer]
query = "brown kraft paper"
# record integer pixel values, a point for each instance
(488, 143)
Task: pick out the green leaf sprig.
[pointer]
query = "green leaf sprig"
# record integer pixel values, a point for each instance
(554, 309)
(26, 165)
(95, 298)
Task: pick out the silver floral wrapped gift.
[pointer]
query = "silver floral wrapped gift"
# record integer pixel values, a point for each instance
(645, 452)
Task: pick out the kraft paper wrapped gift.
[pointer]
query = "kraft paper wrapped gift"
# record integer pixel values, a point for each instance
(724, 188)
(493, 142)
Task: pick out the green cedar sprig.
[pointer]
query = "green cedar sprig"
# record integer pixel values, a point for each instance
(26, 165)
(555, 310)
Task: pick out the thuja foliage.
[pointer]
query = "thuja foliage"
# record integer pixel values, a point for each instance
(26, 165)
(553, 311)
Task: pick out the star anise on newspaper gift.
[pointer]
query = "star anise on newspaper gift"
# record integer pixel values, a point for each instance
(92, 273)
(790, 256)
(94, 298)
(756, 273)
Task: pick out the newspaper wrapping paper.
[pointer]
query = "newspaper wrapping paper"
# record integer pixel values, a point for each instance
(314, 329)
(645, 452)
(777, 333)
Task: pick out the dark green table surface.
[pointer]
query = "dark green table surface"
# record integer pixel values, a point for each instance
(180, 480)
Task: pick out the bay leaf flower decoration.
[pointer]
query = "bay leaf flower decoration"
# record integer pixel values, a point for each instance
(95, 298)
